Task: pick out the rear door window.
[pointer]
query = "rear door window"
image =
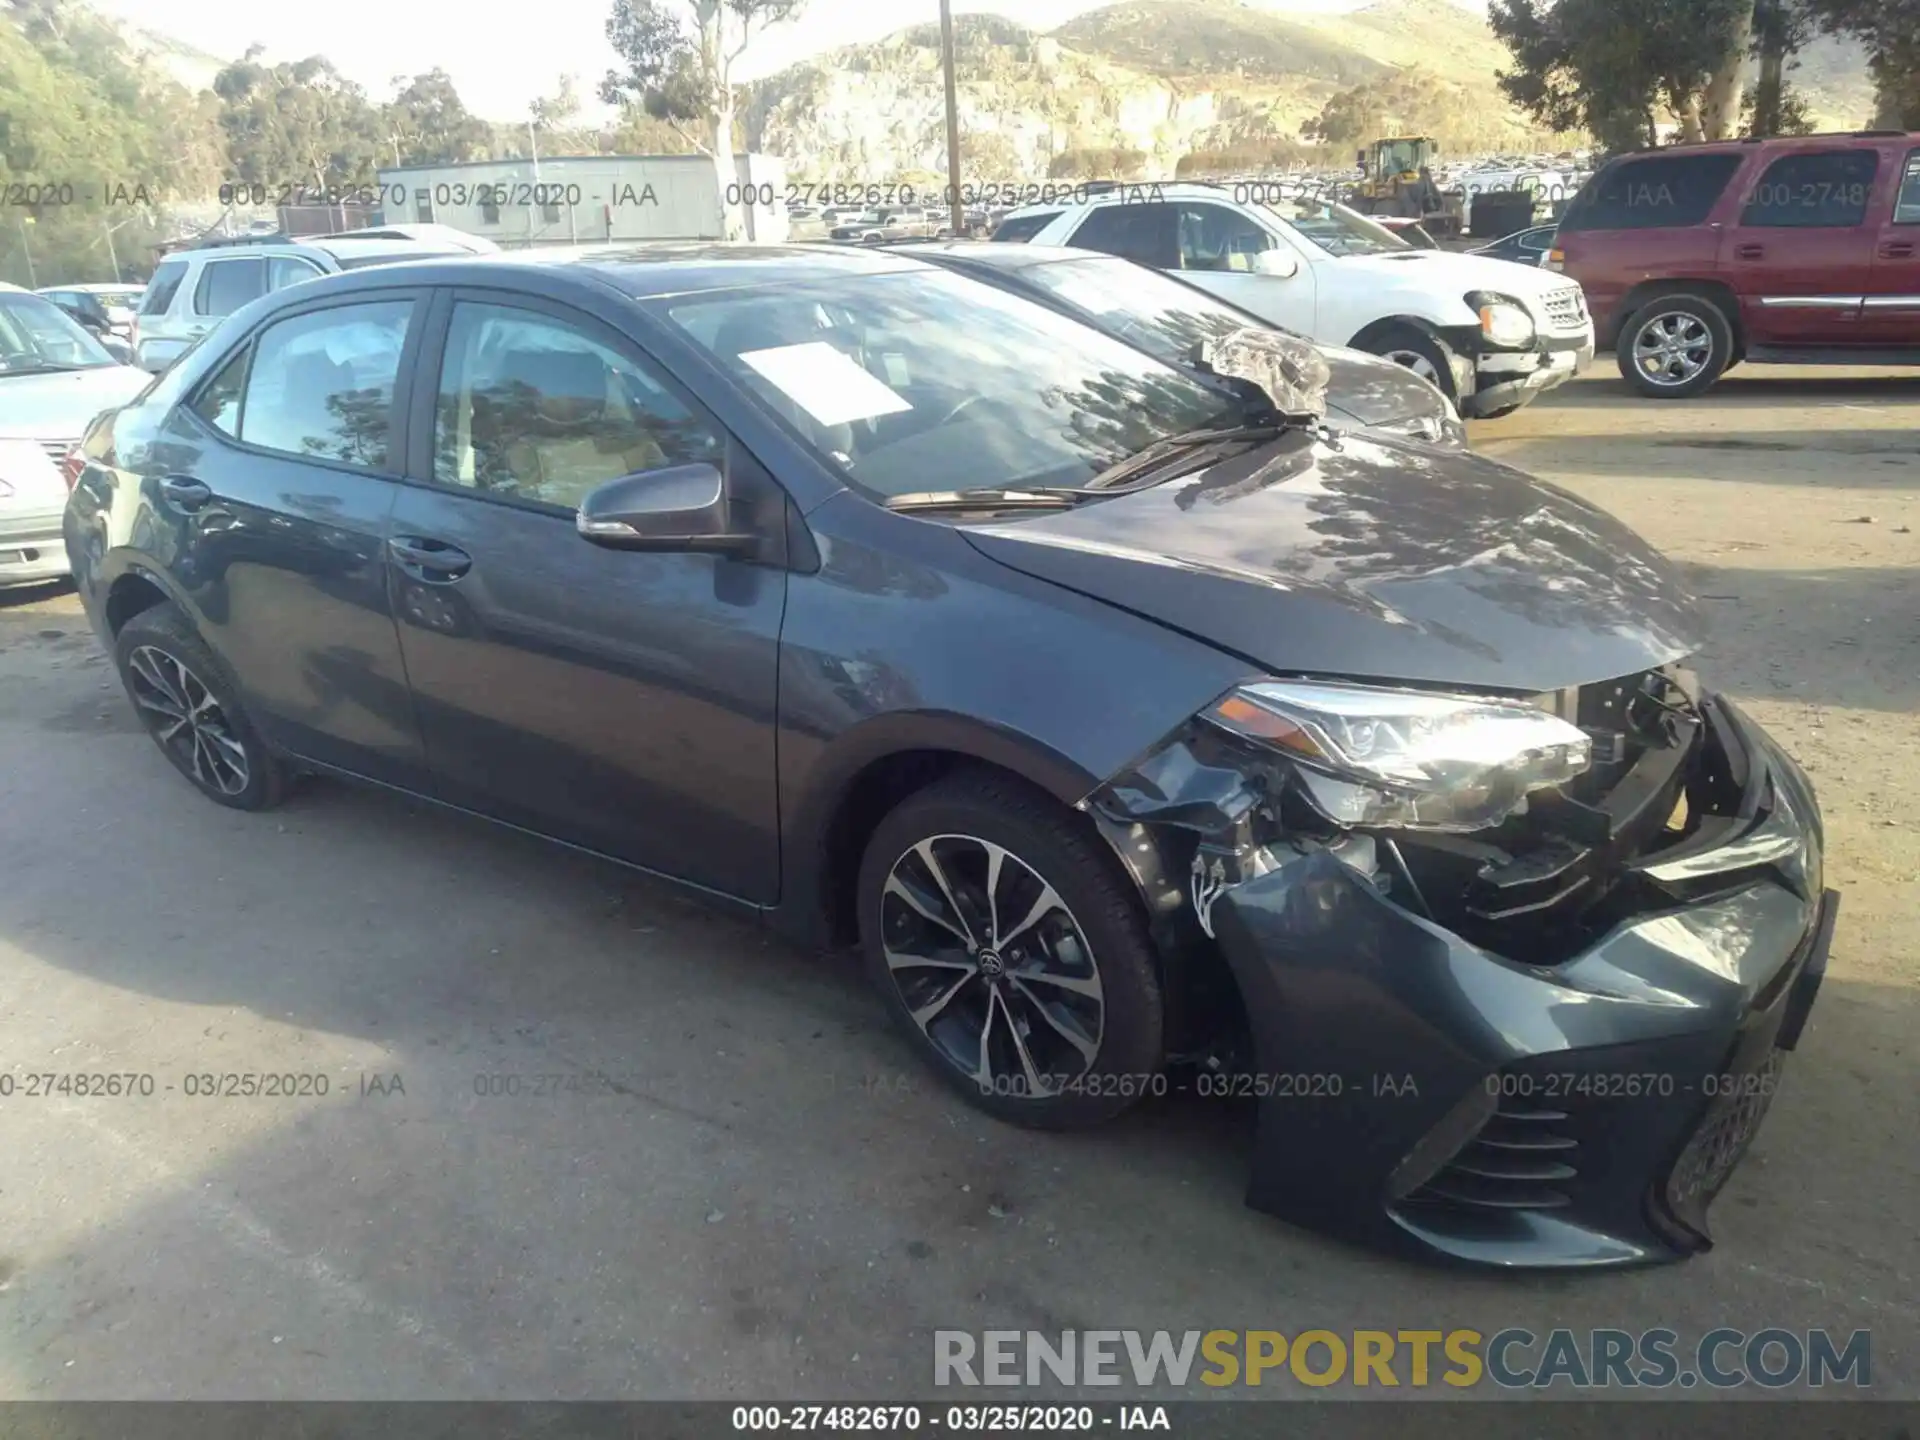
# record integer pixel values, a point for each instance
(1022, 228)
(1652, 192)
(1212, 237)
(1906, 209)
(226, 285)
(321, 384)
(1818, 189)
(1142, 233)
(285, 270)
(163, 287)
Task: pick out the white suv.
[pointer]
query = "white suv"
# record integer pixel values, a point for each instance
(194, 290)
(1491, 334)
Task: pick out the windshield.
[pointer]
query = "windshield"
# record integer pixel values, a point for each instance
(36, 334)
(1143, 307)
(1336, 229)
(921, 381)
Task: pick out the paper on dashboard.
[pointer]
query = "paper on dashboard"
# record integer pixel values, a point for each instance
(825, 383)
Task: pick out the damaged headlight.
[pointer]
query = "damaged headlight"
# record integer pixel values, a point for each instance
(1370, 756)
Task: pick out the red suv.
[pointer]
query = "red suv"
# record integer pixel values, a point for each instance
(1802, 251)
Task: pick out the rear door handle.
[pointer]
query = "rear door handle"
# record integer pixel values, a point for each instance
(1749, 252)
(1896, 250)
(433, 562)
(185, 491)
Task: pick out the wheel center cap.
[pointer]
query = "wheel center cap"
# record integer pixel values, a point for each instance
(991, 965)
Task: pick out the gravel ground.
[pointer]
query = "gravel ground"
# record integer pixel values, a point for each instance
(774, 1201)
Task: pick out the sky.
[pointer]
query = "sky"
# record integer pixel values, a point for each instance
(499, 66)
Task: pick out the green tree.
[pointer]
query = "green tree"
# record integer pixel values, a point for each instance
(1780, 27)
(1891, 32)
(301, 124)
(91, 145)
(678, 63)
(427, 124)
(1611, 66)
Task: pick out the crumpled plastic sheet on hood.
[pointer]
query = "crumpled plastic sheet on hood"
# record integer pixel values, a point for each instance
(1291, 370)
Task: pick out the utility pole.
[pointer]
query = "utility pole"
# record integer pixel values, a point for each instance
(27, 248)
(953, 115)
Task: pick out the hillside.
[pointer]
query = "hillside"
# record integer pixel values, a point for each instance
(1205, 38)
(1160, 78)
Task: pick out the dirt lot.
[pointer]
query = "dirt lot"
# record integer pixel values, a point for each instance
(777, 1204)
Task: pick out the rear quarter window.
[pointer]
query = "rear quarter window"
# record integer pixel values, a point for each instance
(1652, 192)
(1022, 228)
(163, 287)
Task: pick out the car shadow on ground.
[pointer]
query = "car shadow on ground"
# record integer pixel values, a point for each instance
(1746, 386)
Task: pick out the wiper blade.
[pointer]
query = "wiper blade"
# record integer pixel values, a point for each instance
(1177, 446)
(987, 498)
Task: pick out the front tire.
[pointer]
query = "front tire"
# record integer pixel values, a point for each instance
(1675, 347)
(191, 708)
(1428, 356)
(1012, 952)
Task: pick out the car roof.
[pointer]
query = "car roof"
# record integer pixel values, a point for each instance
(1824, 140)
(1133, 192)
(94, 287)
(998, 255)
(640, 271)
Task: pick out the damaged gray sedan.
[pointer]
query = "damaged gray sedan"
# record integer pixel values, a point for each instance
(1141, 731)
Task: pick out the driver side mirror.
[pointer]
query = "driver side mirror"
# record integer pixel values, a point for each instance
(1276, 263)
(676, 508)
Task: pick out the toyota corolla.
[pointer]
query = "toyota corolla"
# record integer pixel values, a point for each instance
(1129, 726)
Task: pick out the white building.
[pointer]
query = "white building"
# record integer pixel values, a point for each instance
(585, 199)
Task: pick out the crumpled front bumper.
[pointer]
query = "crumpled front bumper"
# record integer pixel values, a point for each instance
(1502, 380)
(1424, 1094)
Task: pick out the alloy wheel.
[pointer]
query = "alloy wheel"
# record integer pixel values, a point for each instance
(182, 715)
(992, 966)
(1673, 348)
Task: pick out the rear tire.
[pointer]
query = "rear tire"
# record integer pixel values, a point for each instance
(1426, 355)
(1675, 347)
(1042, 1006)
(191, 708)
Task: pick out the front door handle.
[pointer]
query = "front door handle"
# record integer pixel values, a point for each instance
(433, 562)
(185, 491)
(1749, 252)
(1897, 250)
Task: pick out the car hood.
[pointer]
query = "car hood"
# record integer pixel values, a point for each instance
(1452, 270)
(1372, 559)
(59, 406)
(1372, 391)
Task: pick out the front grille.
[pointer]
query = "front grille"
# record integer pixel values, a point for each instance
(1522, 1158)
(1566, 309)
(1717, 1146)
(57, 449)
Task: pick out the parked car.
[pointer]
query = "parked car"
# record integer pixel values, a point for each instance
(1154, 312)
(103, 310)
(1525, 247)
(1492, 335)
(192, 290)
(883, 223)
(54, 378)
(1802, 251)
(1118, 727)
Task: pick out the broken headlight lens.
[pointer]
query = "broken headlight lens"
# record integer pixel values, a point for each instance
(1371, 756)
